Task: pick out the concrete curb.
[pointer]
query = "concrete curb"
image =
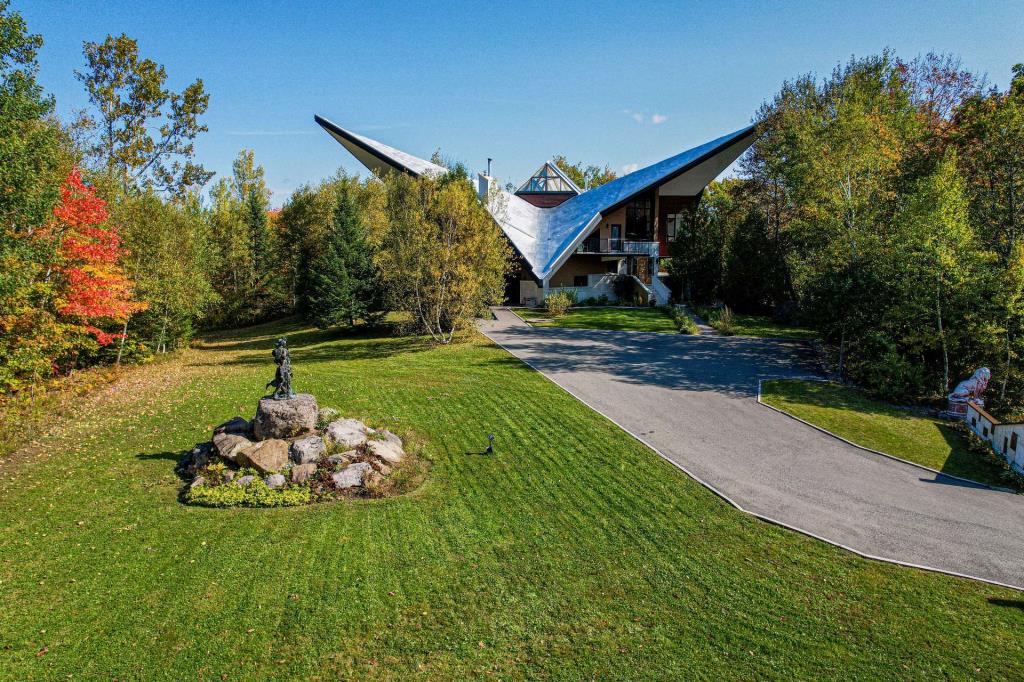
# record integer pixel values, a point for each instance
(867, 449)
(736, 505)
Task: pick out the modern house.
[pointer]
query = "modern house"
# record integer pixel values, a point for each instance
(565, 237)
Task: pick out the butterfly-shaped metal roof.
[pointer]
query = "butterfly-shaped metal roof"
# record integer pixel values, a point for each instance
(546, 237)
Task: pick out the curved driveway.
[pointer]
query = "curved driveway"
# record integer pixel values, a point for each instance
(694, 400)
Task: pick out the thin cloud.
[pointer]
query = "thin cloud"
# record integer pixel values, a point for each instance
(643, 119)
(268, 133)
(629, 168)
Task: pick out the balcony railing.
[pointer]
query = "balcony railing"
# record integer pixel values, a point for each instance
(618, 246)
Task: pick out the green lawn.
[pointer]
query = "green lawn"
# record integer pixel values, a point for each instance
(760, 325)
(571, 553)
(622, 319)
(873, 424)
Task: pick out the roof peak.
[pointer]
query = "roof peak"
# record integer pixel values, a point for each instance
(549, 179)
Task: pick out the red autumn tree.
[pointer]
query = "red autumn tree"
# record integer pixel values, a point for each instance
(94, 289)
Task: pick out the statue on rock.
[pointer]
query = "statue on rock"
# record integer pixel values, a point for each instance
(282, 382)
(969, 390)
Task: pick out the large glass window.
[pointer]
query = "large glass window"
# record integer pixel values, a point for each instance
(546, 179)
(639, 220)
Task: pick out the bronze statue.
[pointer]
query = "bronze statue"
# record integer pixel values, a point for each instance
(282, 382)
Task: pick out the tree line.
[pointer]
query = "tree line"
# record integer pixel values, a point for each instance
(117, 245)
(881, 206)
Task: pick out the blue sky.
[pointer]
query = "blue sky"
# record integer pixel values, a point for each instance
(618, 83)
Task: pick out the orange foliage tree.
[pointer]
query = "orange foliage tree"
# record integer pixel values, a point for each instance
(92, 288)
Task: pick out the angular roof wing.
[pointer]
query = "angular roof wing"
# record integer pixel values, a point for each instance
(546, 237)
(378, 156)
(569, 221)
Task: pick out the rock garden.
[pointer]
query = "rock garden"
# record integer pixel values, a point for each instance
(292, 453)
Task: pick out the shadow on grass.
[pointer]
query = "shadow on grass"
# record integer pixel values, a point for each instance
(179, 458)
(299, 335)
(962, 462)
(959, 459)
(315, 346)
(1007, 603)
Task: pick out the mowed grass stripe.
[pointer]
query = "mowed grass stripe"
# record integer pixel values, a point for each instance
(573, 552)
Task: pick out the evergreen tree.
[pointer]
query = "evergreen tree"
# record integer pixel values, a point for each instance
(343, 285)
(256, 221)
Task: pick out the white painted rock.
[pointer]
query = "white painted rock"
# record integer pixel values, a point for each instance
(351, 476)
(386, 450)
(346, 433)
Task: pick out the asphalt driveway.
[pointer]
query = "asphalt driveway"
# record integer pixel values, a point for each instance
(694, 400)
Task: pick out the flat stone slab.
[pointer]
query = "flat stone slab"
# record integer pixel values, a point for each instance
(345, 434)
(387, 450)
(285, 418)
(228, 445)
(351, 476)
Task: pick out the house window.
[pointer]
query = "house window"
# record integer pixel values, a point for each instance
(974, 421)
(639, 225)
(984, 431)
(671, 225)
(1004, 445)
(1013, 441)
(579, 280)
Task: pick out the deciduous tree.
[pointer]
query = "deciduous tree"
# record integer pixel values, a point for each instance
(144, 132)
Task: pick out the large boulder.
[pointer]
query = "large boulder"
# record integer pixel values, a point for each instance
(308, 449)
(266, 456)
(228, 445)
(351, 476)
(386, 450)
(285, 418)
(345, 434)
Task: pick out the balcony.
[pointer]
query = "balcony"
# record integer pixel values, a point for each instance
(596, 244)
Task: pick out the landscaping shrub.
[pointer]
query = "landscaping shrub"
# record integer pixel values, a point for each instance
(723, 322)
(684, 323)
(256, 494)
(559, 302)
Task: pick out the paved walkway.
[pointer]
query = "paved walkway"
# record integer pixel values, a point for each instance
(694, 400)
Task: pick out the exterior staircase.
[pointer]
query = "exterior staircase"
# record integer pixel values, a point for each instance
(661, 292)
